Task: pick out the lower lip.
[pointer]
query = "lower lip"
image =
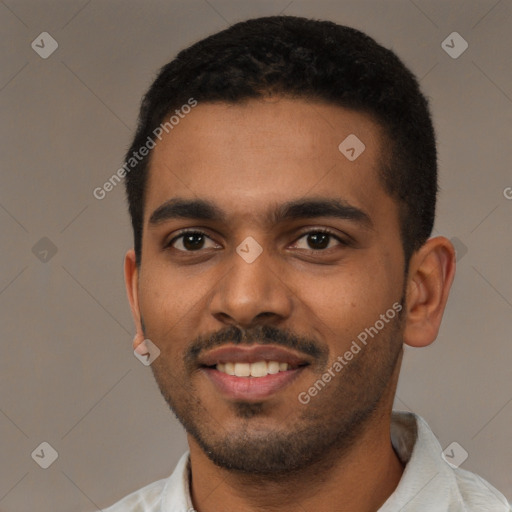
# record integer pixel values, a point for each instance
(251, 388)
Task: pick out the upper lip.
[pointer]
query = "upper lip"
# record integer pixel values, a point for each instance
(251, 354)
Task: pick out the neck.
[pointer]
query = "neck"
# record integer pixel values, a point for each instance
(361, 479)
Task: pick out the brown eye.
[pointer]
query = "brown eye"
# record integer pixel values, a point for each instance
(189, 241)
(319, 240)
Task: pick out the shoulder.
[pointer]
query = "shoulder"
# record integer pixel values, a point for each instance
(167, 494)
(478, 494)
(427, 471)
(146, 499)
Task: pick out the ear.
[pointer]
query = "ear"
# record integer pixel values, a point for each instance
(431, 272)
(131, 279)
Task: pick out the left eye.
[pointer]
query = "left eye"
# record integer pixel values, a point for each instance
(319, 240)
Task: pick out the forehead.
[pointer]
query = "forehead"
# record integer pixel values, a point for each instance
(246, 156)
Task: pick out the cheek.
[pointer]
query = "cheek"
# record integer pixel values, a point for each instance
(166, 294)
(340, 303)
(347, 302)
(161, 307)
(172, 305)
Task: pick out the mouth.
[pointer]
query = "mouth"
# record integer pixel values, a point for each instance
(251, 373)
(257, 369)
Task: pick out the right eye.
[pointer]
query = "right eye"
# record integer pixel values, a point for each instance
(189, 241)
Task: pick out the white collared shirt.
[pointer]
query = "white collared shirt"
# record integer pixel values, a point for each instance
(428, 482)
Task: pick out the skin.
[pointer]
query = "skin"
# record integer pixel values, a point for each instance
(248, 158)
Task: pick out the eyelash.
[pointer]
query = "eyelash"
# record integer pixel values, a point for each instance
(202, 233)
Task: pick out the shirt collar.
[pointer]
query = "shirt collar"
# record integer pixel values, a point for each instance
(428, 481)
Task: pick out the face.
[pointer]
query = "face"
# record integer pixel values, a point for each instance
(264, 244)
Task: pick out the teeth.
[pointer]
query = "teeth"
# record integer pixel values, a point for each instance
(257, 369)
(273, 367)
(242, 369)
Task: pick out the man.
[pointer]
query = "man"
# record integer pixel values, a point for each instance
(282, 186)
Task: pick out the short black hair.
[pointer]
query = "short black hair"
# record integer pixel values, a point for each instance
(315, 60)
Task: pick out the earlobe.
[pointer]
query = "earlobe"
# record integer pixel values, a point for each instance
(131, 278)
(139, 343)
(431, 273)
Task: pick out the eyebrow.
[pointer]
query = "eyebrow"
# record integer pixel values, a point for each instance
(201, 209)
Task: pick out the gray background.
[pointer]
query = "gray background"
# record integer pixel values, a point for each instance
(67, 372)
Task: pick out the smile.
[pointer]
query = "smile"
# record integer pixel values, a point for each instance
(251, 373)
(257, 369)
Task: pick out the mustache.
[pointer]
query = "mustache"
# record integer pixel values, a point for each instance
(260, 335)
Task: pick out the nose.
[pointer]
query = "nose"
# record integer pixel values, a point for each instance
(250, 292)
